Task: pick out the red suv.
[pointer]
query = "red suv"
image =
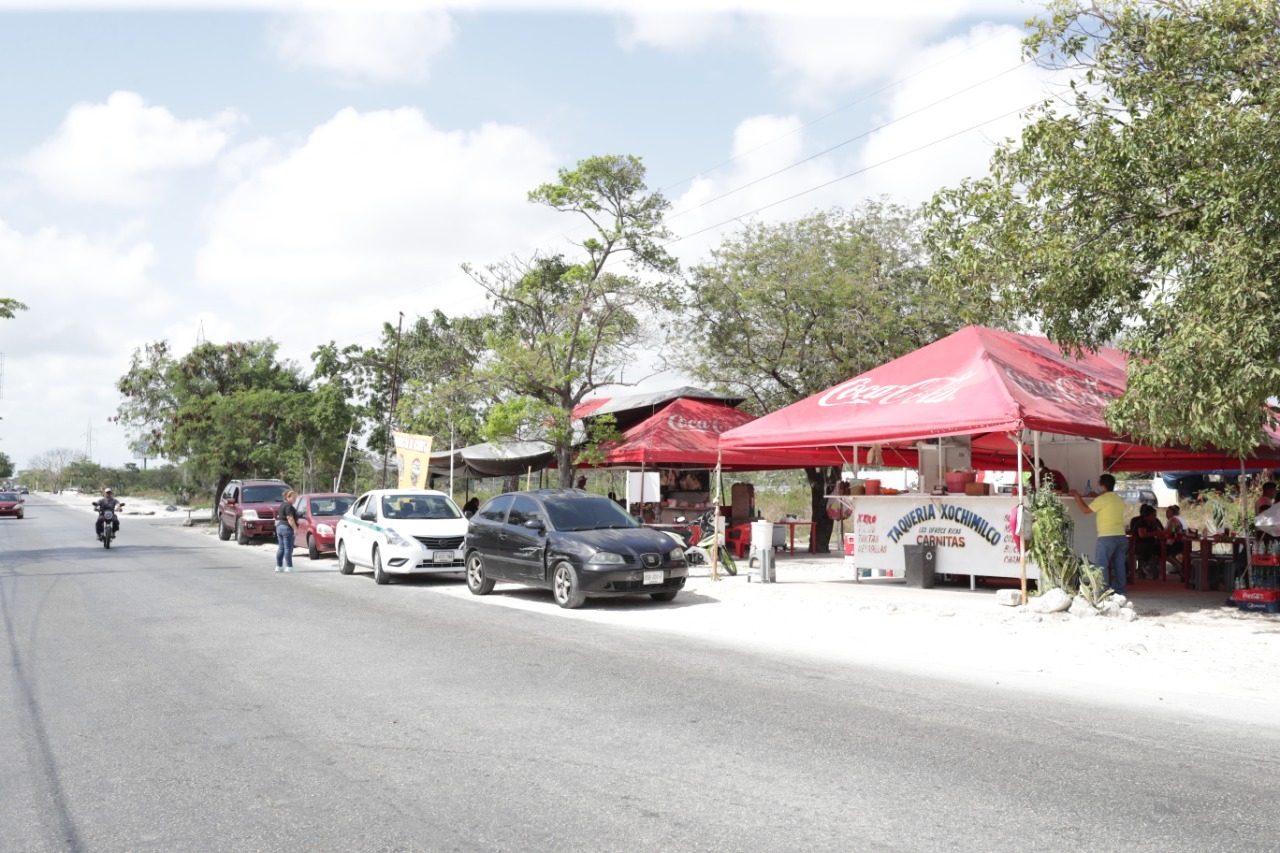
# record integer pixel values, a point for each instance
(248, 509)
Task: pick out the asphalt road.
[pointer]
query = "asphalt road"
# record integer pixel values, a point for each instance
(174, 694)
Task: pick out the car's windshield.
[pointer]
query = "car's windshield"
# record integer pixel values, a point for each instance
(419, 507)
(8, 496)
(330, 506)
(574, 512)
(263, 494)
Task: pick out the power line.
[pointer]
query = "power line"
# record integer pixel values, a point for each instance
(837, 111)
(849, 175)
(916, 112)
(848, 141)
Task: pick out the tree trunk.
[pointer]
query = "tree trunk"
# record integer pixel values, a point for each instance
(564, 463)
(222, 484)
(820, 480)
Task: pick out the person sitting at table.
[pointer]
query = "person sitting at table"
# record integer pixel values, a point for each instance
(1174, 525)
(1145, 529)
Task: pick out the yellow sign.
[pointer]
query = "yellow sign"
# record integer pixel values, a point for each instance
(412, 452)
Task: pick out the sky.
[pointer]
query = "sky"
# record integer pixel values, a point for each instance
(307, 171)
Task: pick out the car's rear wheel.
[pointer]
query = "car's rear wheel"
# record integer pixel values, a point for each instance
(241, 536)
(344, 565)
(564, 586)
(312, 551)
(224, 533)
(379, 576)
(669, 595)
(478, 580)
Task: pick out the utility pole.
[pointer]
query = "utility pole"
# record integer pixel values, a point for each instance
(395, 393)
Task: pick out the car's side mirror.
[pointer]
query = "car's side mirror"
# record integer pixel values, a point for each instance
(368, 516)
(231, 501)
(535, 524)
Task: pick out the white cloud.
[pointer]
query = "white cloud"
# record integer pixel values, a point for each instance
(118, 152)
(989, 87)
(371, 216)
(379, 47)
(839, 54)
(238, 162)
(90, 302)
(926, 140)
(674, 31)
(762, 175)
(824, 49)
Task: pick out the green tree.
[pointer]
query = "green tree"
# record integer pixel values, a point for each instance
(6, 466)
(783, 311)
(1141, 210)
(443, 391)
(560, 328)
(9, 308)
(230, 410)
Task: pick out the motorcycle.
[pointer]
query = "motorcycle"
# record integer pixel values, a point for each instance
(701, 530)
(108, 519)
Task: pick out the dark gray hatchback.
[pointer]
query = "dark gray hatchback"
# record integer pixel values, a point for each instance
(574, 543)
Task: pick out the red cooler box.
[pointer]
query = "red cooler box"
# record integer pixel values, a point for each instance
(850, 544)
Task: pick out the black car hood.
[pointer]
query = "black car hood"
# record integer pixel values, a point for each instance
(631, 540)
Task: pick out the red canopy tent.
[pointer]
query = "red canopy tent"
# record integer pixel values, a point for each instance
(979, 382)
(686, 432)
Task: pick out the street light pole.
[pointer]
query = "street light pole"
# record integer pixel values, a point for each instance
(395, 393)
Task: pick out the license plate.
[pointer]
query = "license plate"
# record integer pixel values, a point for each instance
(445, 556)
(653, 578)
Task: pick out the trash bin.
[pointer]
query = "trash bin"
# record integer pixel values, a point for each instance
(921, 561)
(762, 549)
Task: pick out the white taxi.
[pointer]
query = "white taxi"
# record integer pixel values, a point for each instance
(401, 532)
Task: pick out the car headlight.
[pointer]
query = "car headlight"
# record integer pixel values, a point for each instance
(394, 538)
(676, 555)
(249, 515)
(606, 558)
(324, 530)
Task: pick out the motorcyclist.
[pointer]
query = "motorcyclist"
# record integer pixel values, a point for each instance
(107, 501)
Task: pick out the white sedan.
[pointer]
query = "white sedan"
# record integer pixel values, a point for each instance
(401, 532)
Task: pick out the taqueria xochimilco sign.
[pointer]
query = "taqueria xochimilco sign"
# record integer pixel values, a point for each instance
(971, 534)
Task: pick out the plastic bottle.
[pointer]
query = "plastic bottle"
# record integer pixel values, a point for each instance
(1088, 487)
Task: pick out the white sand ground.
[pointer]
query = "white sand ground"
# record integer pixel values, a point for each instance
(1186, 652)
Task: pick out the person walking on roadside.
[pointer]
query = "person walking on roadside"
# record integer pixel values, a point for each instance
(1112, 552)
(286, 531)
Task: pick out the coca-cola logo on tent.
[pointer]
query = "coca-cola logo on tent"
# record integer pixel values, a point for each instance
(680, 423)
(939, 389)
(1082, 391)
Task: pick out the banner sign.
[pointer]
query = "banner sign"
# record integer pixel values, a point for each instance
(412, 455)
(972, 534)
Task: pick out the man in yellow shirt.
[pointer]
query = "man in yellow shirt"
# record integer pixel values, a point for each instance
(1112, 553)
